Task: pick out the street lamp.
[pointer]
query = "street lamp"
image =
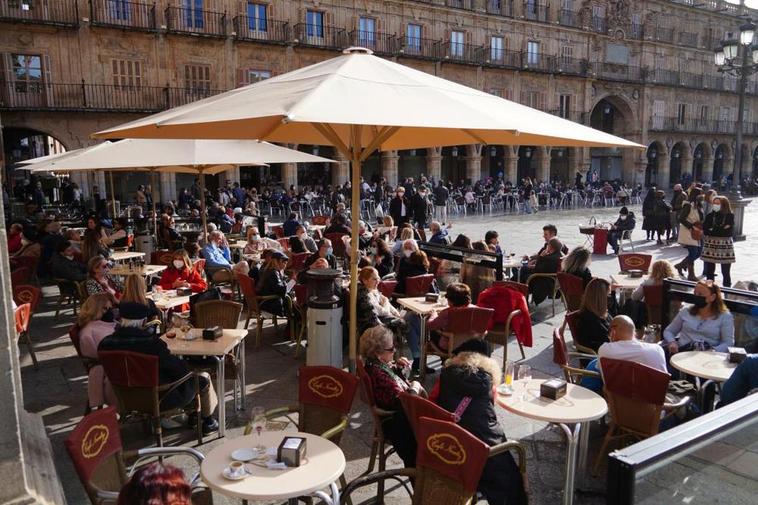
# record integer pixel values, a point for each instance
(738, 56)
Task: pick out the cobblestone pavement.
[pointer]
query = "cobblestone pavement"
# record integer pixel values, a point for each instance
(57, 390)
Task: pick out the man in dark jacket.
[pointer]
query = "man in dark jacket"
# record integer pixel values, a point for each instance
(274, 283)
(131, 336)
(624, 223)
(419, 204)
(548, 261)
(64, 266)
(399, 207)
(441, 194)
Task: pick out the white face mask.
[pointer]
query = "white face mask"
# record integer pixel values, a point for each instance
(178, 264)
(407, 253)
(255, 238)
(716, 207)
(68, 256)
(622, 217)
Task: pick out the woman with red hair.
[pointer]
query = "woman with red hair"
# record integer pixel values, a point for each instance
(156, 484)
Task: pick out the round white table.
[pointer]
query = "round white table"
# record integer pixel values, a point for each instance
(325, 464)
(709, 365)
(572, 413)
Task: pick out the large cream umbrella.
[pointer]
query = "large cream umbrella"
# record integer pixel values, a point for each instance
(201, 157)
(359, 103)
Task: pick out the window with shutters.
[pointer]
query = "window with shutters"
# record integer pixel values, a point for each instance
(532, 53)
(197, 78)
(496, 49)
(533, 99)
(566, 55)
(193, 13)
(257, 19)
(659, 112)
(127, 74)
(508, 93)
(564, 106)
(457, 39)
(314, 24)
(413, 37)
(703, 114)
(27, 73)
(681, 113)
(118, 10)
(366, 32)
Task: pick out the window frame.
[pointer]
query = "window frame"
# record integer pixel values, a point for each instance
(315, 30)
(256, 23)
(532, 57)
(29, 86)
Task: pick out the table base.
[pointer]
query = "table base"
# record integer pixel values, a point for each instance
(577, 439)
(334, 499)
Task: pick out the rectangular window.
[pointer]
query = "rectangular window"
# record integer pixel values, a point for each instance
(598, 18)
(315, 24)
(703, 114)
(127, 74)
(564, 106)
(508, 93)
(118, 10)
(637, 26)
(413, 37)
(27, 73)
(534, 99)
(193, 13)
(567, 53)
(681, 113)
(456, 43)
(496, 49)
(531, 7)
(367, 32)
(257, 19)
(257, 75)
(197, 78)
(532, 53)
(659, 112)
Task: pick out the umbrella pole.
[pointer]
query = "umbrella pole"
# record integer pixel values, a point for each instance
(355, 210)
(203, 218)
(113, 194)
(155, 215)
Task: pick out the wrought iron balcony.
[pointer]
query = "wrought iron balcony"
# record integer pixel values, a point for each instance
(269, 31)
(419, 47)
(570, 18)
(380, 43)
(57, 13)
(463, 53)
(538, 62)
(690, 125)
(498, 57)
(662, 76)
(196, 22)
(688, 39)
(500, 7)
(660, 34)
(574, 66)
(315, 35)
(460, 4)
(599, 24)
(132, 15)
(536, 11)
(617, 72)
(95, 97)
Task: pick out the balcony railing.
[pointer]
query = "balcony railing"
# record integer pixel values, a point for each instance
(498, 57)
(134, 15)
(688, 39)
(575, 66)
(500, 7)
(96, 97)
(536, 11)
(419, 47)
(380, 43)
(537, 61)
(661, 76)
(617, 72)
(661, 34)
(460, 4)
(569, 18)
(261, 30)
(690, 125)
(58, 12)
(463, 53)
(329, 37)
(196, 22)
(599, 24)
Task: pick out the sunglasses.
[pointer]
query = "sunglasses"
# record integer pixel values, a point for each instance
(390, 349)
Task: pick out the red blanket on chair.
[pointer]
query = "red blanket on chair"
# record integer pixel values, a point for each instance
(505, 300)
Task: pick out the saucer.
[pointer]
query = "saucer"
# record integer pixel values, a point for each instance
(244, 455)
(227, 472)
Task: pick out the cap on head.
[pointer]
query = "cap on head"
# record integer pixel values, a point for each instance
(278, 255)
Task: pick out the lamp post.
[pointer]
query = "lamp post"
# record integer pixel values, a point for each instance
(738, 56)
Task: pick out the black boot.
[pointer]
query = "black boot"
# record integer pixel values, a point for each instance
(681, 267)
(691, 272)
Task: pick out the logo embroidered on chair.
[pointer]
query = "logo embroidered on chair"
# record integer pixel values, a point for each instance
(94, 441)
(325, 386)
(634, 262)
(447, 448)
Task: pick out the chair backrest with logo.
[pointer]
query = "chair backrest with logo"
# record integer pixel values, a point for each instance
(654, 303)
(449, 461)
(468, 322)
(635, 261)
(572, 287)
(134, 378)
(161, 257)
(418, 285)
(22, 315)
(20, 275)
(326, 396)
(416, 407)
(94, 447)
(26, 293)
(635, 394)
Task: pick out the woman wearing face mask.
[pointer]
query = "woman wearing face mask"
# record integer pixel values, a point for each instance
(412, 263)
(310, 244)
(325, 251)
(384, 260)
(690, 232)
(707, 324)
(256, 243)
(95, 322)
(718, 246)
(180, 274)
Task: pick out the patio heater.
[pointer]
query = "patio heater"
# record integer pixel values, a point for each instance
(324, 319)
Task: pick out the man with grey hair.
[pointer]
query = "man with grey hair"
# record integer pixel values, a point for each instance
(216, 254)
(624, 346)
(131, 336)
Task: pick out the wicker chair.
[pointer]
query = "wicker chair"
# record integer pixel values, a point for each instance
(572, 321)
(499, 335)
(464, 323)
(252, 302)
(68, 295)
(572, 290)
(562, 357)
(553, 278)
(103, 472)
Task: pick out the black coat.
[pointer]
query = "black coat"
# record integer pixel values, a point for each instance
(272, 282)
(64, 268)
(407, 269)
(396, 208)
(717, 224)
(387, 266)
(419, 208)
(543, 288)
(592, 331)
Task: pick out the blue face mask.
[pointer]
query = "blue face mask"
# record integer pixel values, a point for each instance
(329, 251)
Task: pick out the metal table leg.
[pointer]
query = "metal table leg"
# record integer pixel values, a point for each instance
(572, 439)
(243, 385)
(584, 439)
(221, 392)
(422, 344)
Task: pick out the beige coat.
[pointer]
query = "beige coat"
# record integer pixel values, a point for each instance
(685, 235)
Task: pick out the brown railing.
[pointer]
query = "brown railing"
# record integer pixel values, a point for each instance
(138, 16)
(566, 65)
(691, 125)
(419, 47)
(536, 11)
(501, 7)
(261, 30)
(330, 37)
(568, 17)
(464, 53)
(56, 12)
(617, 72)
(501, 58)
(196, 22)
(380, 43)
(660, 33)
(96, 97)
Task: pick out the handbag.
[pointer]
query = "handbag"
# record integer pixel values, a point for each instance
(696, 231)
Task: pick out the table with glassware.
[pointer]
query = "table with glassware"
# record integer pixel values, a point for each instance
(626, 282)
(166, 299)
(712, 366)
(512, 262)
(256, 477)
(424, 309)
(191, 343)
(126, 256)
(572, 412)
(144, 270)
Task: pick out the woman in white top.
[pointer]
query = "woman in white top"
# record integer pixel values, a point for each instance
(96, 321)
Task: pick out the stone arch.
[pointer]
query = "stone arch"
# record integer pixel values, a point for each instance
(702, 164)
(723, 158)
(754, 158)
(25, 142)
(613, 114)
(678, 162)
(621, 105)
(656, 151)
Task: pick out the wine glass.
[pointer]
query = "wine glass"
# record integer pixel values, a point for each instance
(524, 373)
(259, 422)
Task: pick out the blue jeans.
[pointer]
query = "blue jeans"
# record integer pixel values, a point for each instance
(414, 333)
(693, 252)
(743, 380)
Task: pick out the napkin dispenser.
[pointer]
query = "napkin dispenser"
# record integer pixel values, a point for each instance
(291, 451)
(212, 333)
(432, 297)
(736, 354)
(553, 389)
(183, 291)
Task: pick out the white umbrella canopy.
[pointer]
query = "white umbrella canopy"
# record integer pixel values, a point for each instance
(202, 157)
(359, 103)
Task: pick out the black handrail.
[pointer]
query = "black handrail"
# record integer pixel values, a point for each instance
(462, 254)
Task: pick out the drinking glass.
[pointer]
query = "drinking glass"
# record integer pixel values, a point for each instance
(524, 373)
(259, 422)
(508, 376)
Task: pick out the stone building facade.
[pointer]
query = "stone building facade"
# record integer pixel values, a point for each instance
(640, 69)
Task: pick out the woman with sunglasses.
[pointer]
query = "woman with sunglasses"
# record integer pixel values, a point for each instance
(95, 322)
